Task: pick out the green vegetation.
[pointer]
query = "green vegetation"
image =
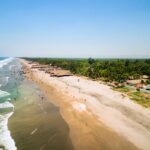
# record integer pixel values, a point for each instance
(140, 98)
(137, 96)
(122, 89)
(107, 69)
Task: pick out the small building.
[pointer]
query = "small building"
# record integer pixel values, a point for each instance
(112, 84)
(147, 87)
(145, 77)
(60, 73)
(135, 82)
(139, 85)
(39, 66)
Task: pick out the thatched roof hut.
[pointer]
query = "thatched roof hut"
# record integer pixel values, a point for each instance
(60, 73)
(39, 66)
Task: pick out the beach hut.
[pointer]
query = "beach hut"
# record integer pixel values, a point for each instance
(139, 85)
(60, 73)
(145, 77)
(147, 87)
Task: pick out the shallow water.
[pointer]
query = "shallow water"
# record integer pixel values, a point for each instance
(9, 80)
(36, 123)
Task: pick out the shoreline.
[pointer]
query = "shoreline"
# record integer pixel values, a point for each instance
(92, 112)
(36, 122)
(6, 105)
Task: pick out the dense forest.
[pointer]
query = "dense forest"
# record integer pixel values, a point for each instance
(106, 69)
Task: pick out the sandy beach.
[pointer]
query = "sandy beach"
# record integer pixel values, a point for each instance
(98, 117)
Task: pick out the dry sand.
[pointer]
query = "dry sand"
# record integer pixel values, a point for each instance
(98, 117)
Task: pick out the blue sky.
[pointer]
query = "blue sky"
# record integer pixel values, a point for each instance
(75, 28)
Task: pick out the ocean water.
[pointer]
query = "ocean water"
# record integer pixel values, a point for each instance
(36, 123)
(28, 121)
(9, 80)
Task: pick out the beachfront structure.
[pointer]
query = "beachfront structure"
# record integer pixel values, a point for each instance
(54, 71)
(145, 77)
(147, 87)
(135, 82)
(39, 66)
(59, 73)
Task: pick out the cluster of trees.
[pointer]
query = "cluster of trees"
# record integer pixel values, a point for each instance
(106, 69)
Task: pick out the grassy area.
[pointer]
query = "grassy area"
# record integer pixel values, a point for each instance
(122, 89)
(137, 96)
(140, 98)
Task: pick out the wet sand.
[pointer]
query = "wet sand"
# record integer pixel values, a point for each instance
(37, 123)
(86, 130)
(87, 133)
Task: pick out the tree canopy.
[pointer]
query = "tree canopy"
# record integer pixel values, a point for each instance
(109, 69)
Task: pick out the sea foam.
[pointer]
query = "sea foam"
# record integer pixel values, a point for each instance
(6, 140)
(3, 93)
(6, 105)
(4, 81)
(5, 61)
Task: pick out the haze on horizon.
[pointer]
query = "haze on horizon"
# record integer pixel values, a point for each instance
(75, 28)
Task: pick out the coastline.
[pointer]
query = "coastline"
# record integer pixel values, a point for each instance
(6, 105)
(94, 112)
(36, 123)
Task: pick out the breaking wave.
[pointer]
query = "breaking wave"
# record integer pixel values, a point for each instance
(6, 141)
(5, 61)
(6, 110)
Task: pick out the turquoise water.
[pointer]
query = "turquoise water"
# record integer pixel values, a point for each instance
(9, 81)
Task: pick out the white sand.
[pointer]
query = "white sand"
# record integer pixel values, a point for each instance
(119, 113)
